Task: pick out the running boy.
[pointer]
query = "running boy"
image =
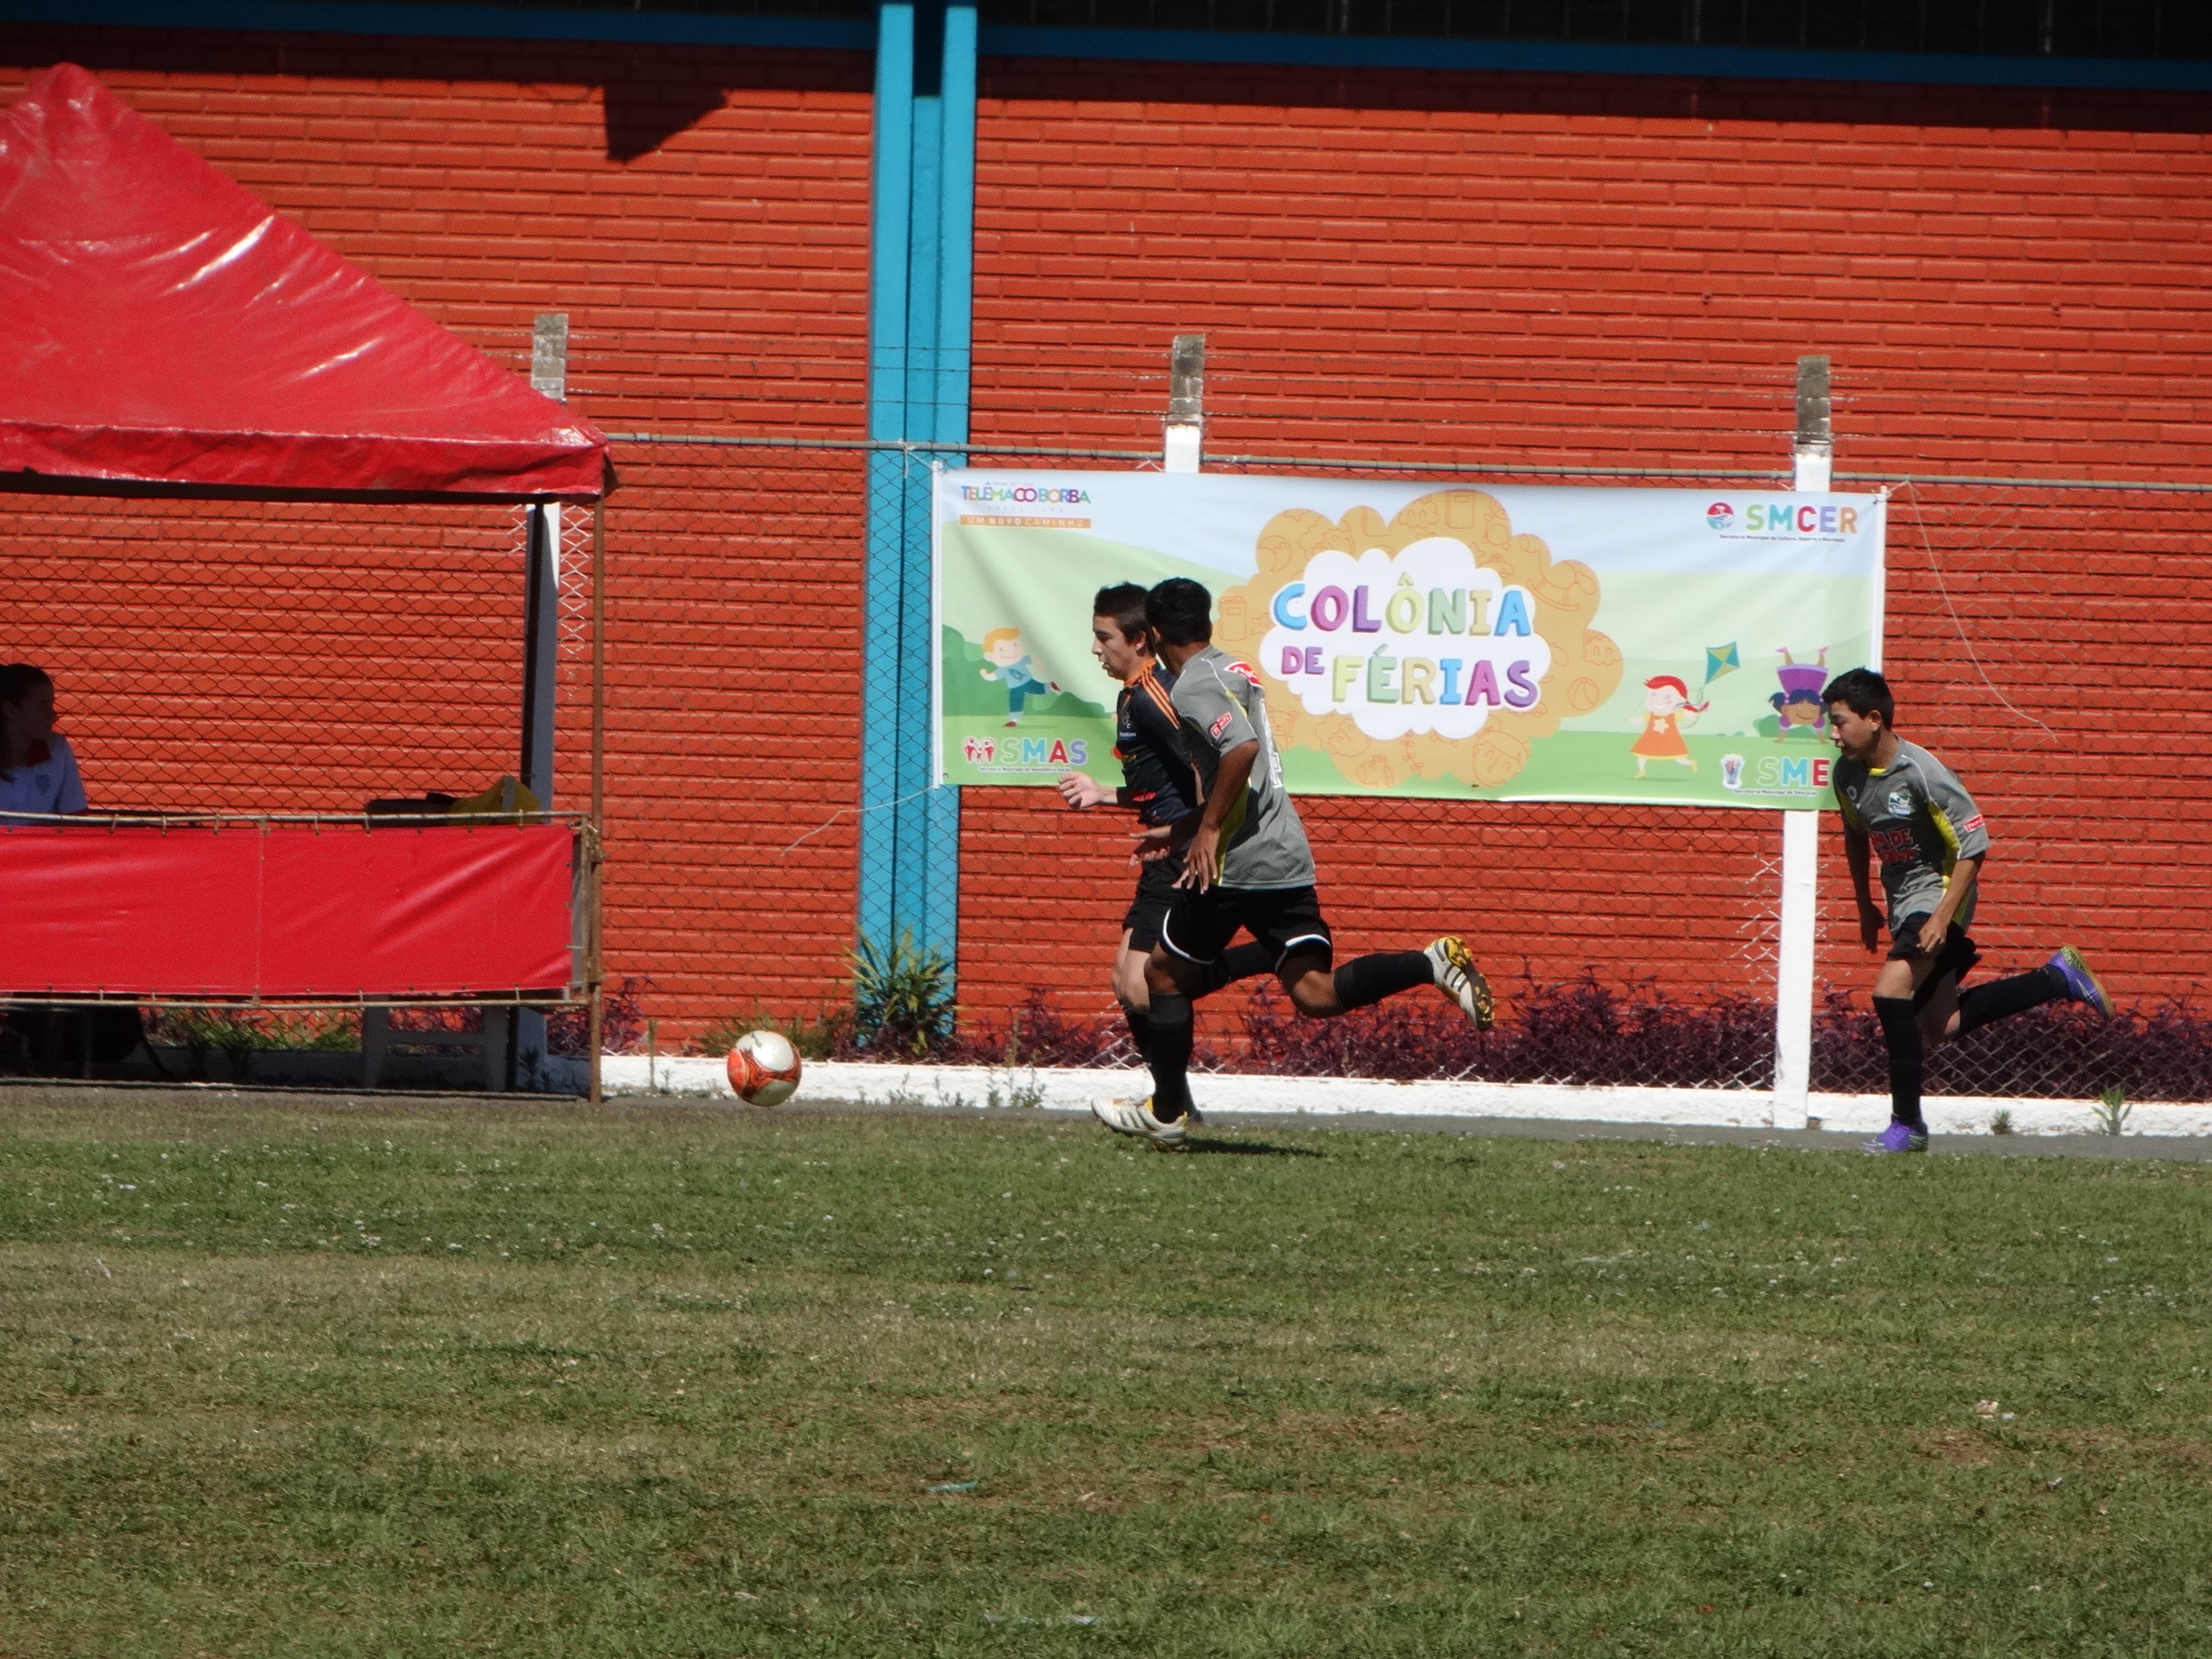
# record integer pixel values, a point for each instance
(1246, 865)
(1161, 786)
(1903, 805)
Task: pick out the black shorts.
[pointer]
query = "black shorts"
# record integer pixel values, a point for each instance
(1148, 907)
(1200, 925)
(1955, 958)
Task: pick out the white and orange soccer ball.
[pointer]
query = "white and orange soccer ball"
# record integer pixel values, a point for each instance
(764, 1068)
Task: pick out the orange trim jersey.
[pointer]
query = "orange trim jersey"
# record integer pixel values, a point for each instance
(1162, 784)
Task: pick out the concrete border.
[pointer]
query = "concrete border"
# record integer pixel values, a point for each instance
(1249, 1097)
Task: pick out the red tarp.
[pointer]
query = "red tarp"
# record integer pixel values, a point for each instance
(159, 325)
(284, 910)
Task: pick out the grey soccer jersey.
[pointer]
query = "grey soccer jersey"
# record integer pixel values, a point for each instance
(1220, 705)
(1919, 821)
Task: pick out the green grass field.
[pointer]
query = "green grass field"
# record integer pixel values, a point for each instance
(414, 1380)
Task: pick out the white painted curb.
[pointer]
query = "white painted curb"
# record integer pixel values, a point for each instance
(1072, 1088)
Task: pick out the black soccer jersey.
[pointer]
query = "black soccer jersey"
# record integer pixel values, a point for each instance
(1148, 742)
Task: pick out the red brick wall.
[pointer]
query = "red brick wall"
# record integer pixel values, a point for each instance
(1552, 272)
(1542, 271)
(701, 215)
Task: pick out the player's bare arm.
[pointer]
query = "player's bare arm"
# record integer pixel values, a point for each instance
(1900, 979)
(1956, 894)
(1202, 863)
(1859, 858)
(1081, 791)
(1163, 840)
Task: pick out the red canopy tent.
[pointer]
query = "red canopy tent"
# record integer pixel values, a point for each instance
(164, 333)
(161, 329)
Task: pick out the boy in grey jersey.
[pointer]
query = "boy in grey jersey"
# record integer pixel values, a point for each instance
(1222, 707)
(1246, 865)
(1917, 819)
(1904, 806)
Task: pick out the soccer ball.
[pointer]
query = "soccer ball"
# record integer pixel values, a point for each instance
(764, 1068)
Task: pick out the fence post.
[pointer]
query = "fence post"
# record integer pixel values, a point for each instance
(1184, 435)
(541, 644)
(1813, 457)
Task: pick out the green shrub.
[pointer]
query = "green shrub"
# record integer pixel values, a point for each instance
(902, 997)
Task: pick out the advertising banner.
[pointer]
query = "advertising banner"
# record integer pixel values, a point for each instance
(1426, 640)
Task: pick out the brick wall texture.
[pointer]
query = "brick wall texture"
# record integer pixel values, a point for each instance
(1543, 271)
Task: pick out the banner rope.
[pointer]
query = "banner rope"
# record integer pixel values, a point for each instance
(1920, 523)
(855, 810)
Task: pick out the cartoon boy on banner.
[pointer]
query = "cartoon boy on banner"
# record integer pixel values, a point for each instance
(1003, 648)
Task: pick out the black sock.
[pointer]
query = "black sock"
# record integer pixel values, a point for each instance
(2001, 997)
(1168, 1052)
(1140, 1029)
(1900, 1031)
(1237, 962)
(1365, 980)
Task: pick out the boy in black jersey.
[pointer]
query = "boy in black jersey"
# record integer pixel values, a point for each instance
(1161, 786)
(1903, 805)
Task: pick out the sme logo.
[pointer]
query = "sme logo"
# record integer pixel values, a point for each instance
(1795, 772)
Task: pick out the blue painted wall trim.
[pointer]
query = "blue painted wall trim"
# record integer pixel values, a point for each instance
(1153, 45)
(920, 313)
(1537, 57)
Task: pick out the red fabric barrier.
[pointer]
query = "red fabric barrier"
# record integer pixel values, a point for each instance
(283, 910)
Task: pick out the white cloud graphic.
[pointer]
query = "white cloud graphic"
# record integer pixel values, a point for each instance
(1427, 641)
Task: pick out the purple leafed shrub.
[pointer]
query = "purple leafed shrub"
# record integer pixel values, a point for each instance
(622, 1022)
(1583, 1031)
(1586, 1032)
(435, 1019)
(2061, 1052)
(1038, 1033)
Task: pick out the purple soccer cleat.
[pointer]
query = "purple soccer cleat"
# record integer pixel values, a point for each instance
(1898, 1138)
(2081, 984)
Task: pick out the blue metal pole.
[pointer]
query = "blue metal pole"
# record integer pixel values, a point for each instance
(920, 319)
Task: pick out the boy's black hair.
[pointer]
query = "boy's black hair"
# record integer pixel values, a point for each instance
(1123, 604)
(1863, 692)
(1180, 611)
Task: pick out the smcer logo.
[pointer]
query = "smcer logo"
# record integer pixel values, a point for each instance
(1720, 515)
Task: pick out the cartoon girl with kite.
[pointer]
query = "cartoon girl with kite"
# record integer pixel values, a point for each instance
(1667, 704)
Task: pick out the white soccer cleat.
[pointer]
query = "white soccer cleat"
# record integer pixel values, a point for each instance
(1134, 1117)
(1452, 966)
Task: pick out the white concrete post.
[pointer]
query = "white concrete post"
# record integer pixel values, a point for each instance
(1813, 455)
(1793, 971)
(1183, 438)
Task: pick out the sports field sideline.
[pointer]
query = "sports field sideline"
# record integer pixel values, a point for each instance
(283, 1374)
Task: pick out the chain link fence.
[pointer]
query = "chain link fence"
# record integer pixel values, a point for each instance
(251, 657)
(230, 656)
(1631, 946)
